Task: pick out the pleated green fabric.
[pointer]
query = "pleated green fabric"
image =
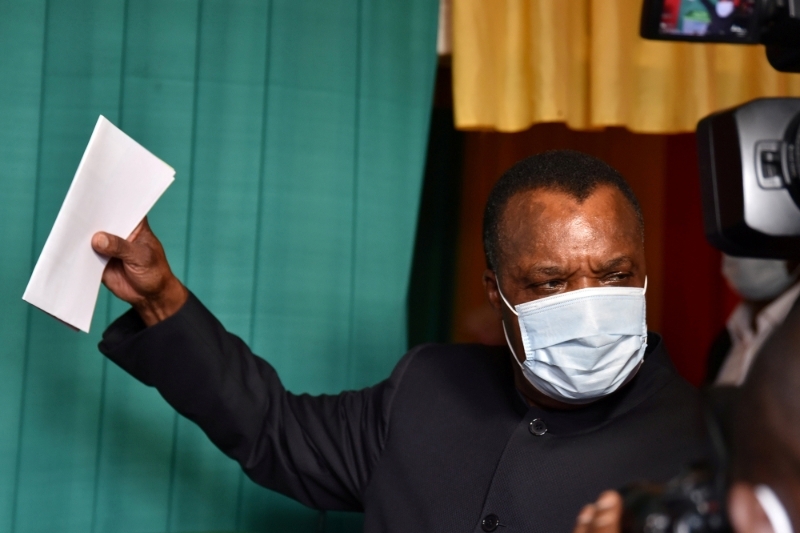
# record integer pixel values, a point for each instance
(298, 133)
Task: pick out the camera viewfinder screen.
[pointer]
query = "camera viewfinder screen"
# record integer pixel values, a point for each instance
(724, 20)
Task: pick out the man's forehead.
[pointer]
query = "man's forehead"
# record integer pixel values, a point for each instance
(556, 223)
(530, 205)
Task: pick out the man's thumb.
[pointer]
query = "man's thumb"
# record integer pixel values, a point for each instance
(112, 246)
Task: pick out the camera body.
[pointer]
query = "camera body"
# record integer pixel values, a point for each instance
(692, 502)
(695, 500)
(750, 178)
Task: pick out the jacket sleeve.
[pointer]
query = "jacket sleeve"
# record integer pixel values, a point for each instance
(319, 450)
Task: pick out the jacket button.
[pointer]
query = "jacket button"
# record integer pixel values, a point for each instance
(537, 427)
(490, 522)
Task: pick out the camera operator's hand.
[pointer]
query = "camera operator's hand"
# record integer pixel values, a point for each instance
(603, 516)
(139, 274)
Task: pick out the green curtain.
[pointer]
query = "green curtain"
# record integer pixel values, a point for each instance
(297, 129)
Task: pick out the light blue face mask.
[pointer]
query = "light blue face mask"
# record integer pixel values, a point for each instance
(757, 280)
(582, 345)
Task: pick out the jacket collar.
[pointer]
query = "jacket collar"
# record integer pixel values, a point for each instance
(656, 371)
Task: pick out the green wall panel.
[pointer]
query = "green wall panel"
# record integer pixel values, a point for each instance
(298, 133)
(22, 26)
(63, 378)
(226, 165)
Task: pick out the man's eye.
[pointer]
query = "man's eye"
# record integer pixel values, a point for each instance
(550, 284)
(617, 276)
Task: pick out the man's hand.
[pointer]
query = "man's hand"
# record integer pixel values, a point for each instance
(139, 274)
(603, 516)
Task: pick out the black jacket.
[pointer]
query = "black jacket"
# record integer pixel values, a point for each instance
(441, 445)
(717, 354)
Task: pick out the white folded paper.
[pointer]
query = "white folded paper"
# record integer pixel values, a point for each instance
(116, 184)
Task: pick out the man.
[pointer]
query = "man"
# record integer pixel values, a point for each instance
(768, 288)
(765, 494)
(458, 438)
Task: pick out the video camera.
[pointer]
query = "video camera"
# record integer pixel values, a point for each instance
(749, 160)
(750, 155)
(692, 502)
(750, 178)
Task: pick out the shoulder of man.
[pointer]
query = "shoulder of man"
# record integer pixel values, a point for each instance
(658, 386)
(434, 379)
(668, 398)
(453, 362)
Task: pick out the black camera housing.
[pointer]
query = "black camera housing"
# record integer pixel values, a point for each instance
(692, 502)
(750, 178)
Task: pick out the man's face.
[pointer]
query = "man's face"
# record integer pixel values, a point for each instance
(550, 243)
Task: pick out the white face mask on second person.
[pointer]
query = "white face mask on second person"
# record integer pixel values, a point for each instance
(582, 345)
(724, 8)
(757, 280)
(774, 509)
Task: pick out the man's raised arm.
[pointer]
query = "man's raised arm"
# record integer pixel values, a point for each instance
(320, 450)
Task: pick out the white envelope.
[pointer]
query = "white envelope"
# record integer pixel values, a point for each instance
(116, 184)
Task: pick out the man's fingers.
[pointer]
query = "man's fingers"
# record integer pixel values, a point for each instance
(604, 516)
(584, 522)
(100, 242)
(113, 246)
(609, 513)
(135, 233)
(610, 499)
(142, 228)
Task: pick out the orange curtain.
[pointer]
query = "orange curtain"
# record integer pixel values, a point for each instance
(522, 62)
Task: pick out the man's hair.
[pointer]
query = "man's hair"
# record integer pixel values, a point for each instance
(766, 418)
(574, 173)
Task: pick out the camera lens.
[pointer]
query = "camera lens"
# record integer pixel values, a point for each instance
(792, 159)
(657, 523)
(690, 523)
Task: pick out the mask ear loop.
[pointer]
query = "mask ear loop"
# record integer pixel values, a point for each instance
(510, 347)
(774, 509)
(504, 298)
(505, 330)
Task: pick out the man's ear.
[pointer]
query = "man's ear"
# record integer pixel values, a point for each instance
(745, 511)
(492, 293)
